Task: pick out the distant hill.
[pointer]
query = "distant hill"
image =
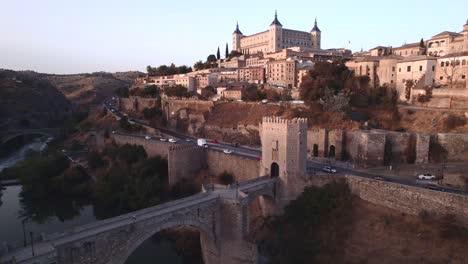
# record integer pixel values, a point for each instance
(29, 101)
(91, 88)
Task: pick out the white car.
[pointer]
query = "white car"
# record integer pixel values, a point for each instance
(172, 140)
(227, 151)
(329, 169)
(163, 139)
(188, 140)
(113, 132)
(147, 137)
(426, 176)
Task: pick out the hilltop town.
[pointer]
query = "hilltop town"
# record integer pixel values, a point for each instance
(279, 151)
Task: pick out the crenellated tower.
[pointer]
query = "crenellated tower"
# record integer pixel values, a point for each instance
(276, 35)
(316, 36)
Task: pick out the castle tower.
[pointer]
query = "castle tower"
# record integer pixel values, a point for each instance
(284, 147)
(236, 39)
(316, 36)
(465, 27)
(276, 35)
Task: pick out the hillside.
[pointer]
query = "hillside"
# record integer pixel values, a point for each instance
(85, 89)
(27, 101)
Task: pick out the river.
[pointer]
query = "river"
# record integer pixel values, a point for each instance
(56, 216)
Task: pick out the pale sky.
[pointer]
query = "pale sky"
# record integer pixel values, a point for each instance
(73, 36)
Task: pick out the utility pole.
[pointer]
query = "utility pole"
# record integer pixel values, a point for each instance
(32, 243)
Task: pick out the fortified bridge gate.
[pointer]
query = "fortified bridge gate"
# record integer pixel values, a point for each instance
(220, 213)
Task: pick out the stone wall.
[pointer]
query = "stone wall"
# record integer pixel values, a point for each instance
(456, 145)
(136, 103)
(241, 168)
(400, 149)
(365, 148)
(185, 161)
(408, 199)
(152, 147)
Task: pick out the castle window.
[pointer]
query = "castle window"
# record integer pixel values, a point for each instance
(441, 78)
(408, 68)
(393, 69)
(442, 64)
(433, 68)
(463, 62)
(420, 68)
(463, 76)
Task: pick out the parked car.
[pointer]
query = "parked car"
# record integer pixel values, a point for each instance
(329, 169)
(113, 132)
(213, 141)
(147, 137)
(426, 176)
(172, 140)
(188, 140)
(259, 157)
(265, 101)
(378, 178)
(163, 139)
(227, 151)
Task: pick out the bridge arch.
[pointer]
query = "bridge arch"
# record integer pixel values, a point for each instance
(7, 138)
(206, 234)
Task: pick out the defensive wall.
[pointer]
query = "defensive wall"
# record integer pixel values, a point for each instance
(136, 103)
(453, 98)
(185, 161)
(408, 199)
(369, 148)
(152, 147)
(241, 168)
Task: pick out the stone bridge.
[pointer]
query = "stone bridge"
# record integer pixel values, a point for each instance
(219, 212)
(7, 135)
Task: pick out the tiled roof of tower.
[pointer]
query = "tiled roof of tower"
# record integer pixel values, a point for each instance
(315, 28)
(276, 21)
(237, 29)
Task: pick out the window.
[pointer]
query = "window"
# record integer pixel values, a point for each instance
(408, 68)
(420, 67)
(391, 81)
(393, 69)
(399, 69)
(441, 78)
(463, 77)
(433, 68)
(463, 62)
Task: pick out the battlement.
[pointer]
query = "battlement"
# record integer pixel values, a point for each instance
(183, 147)
(280, 120)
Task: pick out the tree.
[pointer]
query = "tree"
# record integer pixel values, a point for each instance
(218, 54)
(234, 53)
(208, 91)
(177, 91)
(122, 92)
(199, 65)
(226, 54)
(252, 93)
(211, 58)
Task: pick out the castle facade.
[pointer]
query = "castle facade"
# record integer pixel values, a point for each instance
(275, 39)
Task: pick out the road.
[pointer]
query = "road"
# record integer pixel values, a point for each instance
(313, 165)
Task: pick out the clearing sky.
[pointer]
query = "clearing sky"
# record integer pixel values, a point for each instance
(57, 36)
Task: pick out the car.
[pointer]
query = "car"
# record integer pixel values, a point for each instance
(227, 151)
(64, 150)
(265, 101)
(113, 132)
(163, 139)
(188, 140)
(172, 140)
(213, 141)
(329, 169)
(426, 176)
(147, 137)
(259, 157)
(378, 178)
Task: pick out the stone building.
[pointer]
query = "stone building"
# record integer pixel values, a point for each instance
(275, 39)
(252, 74)
(281, 73)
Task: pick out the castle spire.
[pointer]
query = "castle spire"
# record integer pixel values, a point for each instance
(237, 31)
(315, 26)
(276, 21)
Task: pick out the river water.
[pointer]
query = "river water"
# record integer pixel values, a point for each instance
(57, 216)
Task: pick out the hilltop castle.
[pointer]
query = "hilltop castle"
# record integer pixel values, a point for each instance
(275, 39)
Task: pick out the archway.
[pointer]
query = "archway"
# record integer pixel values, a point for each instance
(315, 151)
(274, 170)
(150, 244)
(331, 153)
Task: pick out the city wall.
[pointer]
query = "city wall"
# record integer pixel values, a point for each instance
(408, 199)
(241, 168)
(152, 147)
(369, 148)
(136, 103)
(184, 161)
